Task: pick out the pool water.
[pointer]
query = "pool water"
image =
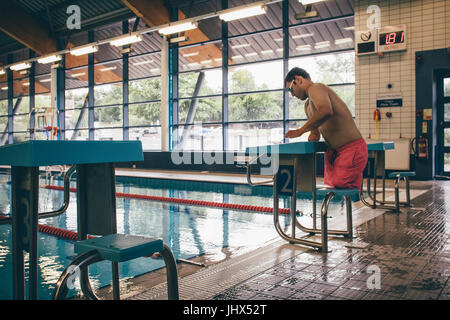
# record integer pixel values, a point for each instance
(189, 231)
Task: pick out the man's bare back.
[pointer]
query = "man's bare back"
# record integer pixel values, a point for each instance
(340, 128)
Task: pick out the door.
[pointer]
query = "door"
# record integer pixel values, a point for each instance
(443, 132)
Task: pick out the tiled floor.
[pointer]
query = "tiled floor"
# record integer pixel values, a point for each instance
(407, 254)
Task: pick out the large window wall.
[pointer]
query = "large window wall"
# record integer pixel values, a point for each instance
(227, 89)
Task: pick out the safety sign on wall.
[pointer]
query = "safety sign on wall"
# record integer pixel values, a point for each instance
(389, 100)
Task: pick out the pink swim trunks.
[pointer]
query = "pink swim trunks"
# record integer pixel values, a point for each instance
(344, 166)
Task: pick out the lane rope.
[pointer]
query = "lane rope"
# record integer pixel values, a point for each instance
(72, 235)
(233, 206)
(55, 231)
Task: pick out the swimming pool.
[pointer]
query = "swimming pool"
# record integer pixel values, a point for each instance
(188, 230)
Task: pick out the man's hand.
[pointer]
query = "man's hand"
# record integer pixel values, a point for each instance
(314, 135)
(294, 133)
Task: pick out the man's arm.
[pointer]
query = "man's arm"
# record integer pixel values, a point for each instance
(319, 96)
(314, 135)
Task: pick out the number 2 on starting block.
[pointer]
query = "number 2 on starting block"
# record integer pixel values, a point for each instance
(285, 180)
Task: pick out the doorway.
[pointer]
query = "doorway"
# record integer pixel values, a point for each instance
(443, 125)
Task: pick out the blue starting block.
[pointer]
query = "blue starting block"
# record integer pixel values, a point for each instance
(295, 173)
(118, 248)
(353, 194)
(405, 176)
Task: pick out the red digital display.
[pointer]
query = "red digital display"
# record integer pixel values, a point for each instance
(392, 38)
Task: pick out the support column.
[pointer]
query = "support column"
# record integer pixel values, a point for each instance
(165, 94)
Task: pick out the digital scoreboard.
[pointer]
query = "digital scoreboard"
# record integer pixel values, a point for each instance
(392, 38)
(385, 39)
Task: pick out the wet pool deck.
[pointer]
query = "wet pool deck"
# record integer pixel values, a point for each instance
(411, 250)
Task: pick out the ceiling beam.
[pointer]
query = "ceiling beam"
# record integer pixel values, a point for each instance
(155, 13)
(23, 27)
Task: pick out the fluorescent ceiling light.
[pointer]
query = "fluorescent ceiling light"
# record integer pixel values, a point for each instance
(142, 62)
(78, 74)
(206, 61)
(2, 71)
(20, 66)
(180, 27)
(154, 70)
(45, 80)
(108, 69)
(4, 88)
(49, 59)
(243, 13)
(349, 28)
(26, 84)
(343, 41)
(218, 59)
(305, 47)
(193, 64)
(278, 39)
(190, 54)
(305, 35)
(237, 57)
(237, 46)
(128, 39)
(84, 50)
(323, 44)
(305, 2)
(267, 51)
(279, 50)
(251, 54)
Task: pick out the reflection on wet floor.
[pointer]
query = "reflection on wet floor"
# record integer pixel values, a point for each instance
(406, 256)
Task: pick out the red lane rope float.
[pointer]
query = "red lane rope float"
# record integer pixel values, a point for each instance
(55, 231)
(71, 235)
(189, 202)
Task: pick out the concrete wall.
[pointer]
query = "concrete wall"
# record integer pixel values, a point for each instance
(428, 28)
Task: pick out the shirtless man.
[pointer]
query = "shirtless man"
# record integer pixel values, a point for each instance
(328, 115)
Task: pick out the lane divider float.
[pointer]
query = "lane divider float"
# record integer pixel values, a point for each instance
(55, 231)
(241, 207)
(72, 235)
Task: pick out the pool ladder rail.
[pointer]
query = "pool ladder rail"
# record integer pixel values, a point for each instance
(247, 165)
(64, 206)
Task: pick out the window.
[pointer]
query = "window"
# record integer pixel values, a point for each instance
(208, 109)
(3, 107)
(108, 72)
(108, 94)
(328, 68)
(108, 134)
(256, 106)
(142, 114)
(256, 47)
(199, 137)
(203, 56)
(446, 87)
(3, 90)
(149, 136)
(145, 66)
(315, 38)
(106, 117)
(209, 82)
(76, 109)
(144, 90)
(243, 135)
(256, 77)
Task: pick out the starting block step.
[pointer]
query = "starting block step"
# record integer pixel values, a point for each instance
(120, 247)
